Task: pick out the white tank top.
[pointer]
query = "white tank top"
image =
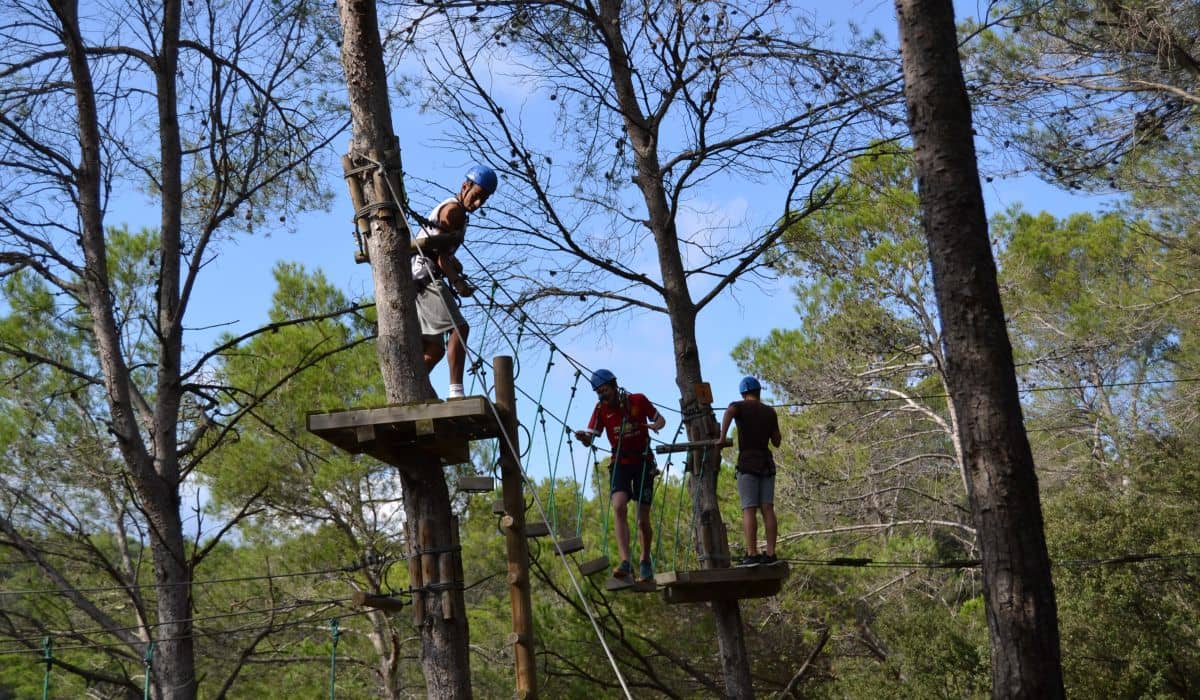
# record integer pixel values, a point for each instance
(423, 267)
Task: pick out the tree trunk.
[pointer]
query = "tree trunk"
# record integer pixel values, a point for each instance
(155, 476)
(1002, 485)
(445, 659)
(643, 136)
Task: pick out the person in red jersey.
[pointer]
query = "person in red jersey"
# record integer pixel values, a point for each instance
(626, 419)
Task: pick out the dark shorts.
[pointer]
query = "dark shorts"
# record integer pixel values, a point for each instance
(635, 479)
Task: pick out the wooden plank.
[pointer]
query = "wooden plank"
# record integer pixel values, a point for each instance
(629, 584)
(378, 601)
(694, 445)
(741, 574)
(469, 407)
(476, 484)
(594, 566)
(536, 529)
(569, 545)
(725, 591)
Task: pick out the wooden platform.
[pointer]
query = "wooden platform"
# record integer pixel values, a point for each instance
(722, 584)
(444, 428)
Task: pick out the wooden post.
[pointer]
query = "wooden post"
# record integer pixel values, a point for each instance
(429, 570)
(417, 583)
(448, 569)
(514, 535)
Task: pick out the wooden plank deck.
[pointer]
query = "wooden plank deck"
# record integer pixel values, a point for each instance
(722, 584)
(445, 428)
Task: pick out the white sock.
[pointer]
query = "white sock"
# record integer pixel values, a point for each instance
(456, 391)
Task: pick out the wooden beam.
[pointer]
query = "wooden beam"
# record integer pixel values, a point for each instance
(685, 446)
(362, 599)
(569, 545)
(476, 484)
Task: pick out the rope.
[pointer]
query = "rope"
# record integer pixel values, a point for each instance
(336, 633)
(148, 659)
(48, 656)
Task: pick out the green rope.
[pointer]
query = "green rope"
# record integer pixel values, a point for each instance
(579, 485)
(48, 656)
(607, 506)
(148, 659)
(552, 506)
(678, 512)
(333, 629)
(658, 555)
(646, 457)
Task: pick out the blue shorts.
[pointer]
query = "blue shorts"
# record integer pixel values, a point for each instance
(755, 489)
(635, 479)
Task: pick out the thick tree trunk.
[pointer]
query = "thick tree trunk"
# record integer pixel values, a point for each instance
(1002, 485)
(710, 535)
(445, 658)
(156, 478)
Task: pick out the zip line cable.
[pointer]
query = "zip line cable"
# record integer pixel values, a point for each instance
(206, 582)
(154, 625)
(194, 634)
(880, 399)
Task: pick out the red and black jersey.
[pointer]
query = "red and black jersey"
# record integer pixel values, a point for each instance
(626, 425)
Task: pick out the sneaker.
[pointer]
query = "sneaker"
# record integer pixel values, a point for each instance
(768, 559)
(623, 570)
(751, 560)
(645, 572)
(455, 392)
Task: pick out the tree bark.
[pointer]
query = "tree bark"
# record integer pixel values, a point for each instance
(445, 659)
(710, 537)
(1002, 484)
(155, 474)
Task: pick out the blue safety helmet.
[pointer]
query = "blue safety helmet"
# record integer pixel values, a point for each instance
(483, 176)
(601, 377)
(749, 385)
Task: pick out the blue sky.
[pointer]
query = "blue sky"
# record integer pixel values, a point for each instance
(234, 291)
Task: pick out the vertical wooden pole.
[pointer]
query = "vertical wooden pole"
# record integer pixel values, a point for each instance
(447, 571)
(429, 571)
(514, 537)
(415, 580)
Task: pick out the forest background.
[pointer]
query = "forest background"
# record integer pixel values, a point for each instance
(279, 528)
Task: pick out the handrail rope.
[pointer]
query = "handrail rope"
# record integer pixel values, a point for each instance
(553, 495)
(662, 511)
(483, 342)
(679, 511)
(541, 418)
(579, 486)
(543, 335)
(605, 523)
(533, 491)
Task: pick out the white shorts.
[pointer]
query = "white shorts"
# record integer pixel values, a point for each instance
(438, 311)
